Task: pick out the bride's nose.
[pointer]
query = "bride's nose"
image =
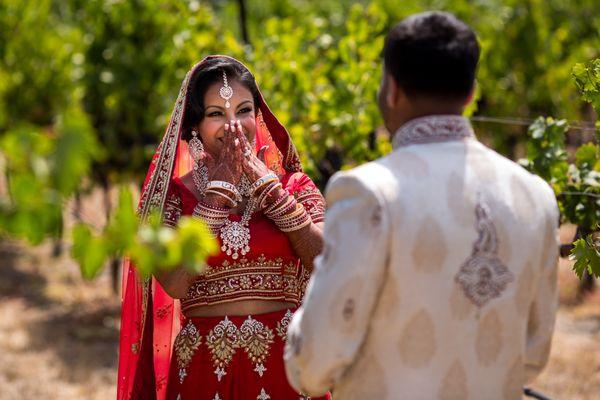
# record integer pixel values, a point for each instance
(230, 115)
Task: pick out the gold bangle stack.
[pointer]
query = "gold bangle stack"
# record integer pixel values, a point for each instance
(293, 221)
(260, 182)
(288, 214)
(214, 217)
(266, 192)
(231, 202)
(228, 188)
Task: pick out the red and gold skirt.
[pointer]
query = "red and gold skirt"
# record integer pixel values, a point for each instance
(231, 358)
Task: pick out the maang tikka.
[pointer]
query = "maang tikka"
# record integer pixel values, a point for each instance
(226, 92)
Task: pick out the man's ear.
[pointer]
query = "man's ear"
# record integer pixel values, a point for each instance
(471, 95)
(393, 91)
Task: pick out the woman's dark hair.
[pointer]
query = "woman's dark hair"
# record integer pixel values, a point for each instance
(432, 54)
(209, 74)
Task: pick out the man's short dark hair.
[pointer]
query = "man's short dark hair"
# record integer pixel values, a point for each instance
(432, 54)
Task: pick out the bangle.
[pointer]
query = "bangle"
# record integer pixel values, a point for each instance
(226, 186)
(286, 208)
(264, 195)
(295, 226)
(214, 217)
(206, 206)
(296, 212)
(260, 182)
(293, 221)
(210, 211)
(283, 197)
(233, 203)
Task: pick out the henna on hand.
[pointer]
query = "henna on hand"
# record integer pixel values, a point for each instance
(254, 165)
(226, 166)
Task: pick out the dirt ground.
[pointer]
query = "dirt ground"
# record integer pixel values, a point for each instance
(59, 334)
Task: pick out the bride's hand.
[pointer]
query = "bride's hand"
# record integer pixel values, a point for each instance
(253, 165)
(228, 164)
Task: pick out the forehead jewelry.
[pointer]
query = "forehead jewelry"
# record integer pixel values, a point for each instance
(226, 92)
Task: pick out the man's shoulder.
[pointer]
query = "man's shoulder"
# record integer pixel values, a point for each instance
(373, 178)
(517, 174)
(370, 175)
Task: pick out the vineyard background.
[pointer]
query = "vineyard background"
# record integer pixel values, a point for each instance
(86, 88)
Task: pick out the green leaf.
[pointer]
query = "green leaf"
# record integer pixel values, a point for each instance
(586, 156)
(196, 243)
(123, 225)
(586, 256)
(88, 250)
(75, 149)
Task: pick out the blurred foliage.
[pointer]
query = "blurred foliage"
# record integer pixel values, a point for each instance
(587, 78)
(86, 88)
(134, 53)
(515, 78)
(576, 184)
(151, 245)
(42, 167)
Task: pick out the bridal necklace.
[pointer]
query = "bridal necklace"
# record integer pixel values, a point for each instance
(235, 235)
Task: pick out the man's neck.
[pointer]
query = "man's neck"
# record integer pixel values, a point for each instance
(424, 108)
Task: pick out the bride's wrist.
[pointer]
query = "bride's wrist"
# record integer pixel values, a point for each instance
(269, 194)
(215, 200)
(287, 213)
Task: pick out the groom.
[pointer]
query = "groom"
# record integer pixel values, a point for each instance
(438, 276)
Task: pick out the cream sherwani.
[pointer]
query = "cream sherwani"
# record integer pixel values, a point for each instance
(438, 277)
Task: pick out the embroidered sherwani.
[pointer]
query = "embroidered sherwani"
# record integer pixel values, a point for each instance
(438, 277)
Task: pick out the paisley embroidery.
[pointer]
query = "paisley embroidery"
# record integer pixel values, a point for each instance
(186, 343)
(282, 326)
(483, 276)
(433, 128)
(222, 340)
(253, 336)
(256, 340)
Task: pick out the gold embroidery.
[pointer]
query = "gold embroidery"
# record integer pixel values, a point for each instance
(135, 348)
(282, 326)
(186, 343)
(154, 193)
(263, 395)
(313, 201)
(431, 129)
(222, 342)
(483, 276)
(253, 336)
(256, 340)
(172, 211)
(153, 196)
(260, 278)
(292, 160)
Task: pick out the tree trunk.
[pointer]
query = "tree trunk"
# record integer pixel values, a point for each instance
(115, 262)
(77, 206)
(243, 21)
(57, 240)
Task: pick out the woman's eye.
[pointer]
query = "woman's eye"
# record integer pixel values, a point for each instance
(215, 114)
(245, 110)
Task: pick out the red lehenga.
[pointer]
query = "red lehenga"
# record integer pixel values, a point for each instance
(164, 355)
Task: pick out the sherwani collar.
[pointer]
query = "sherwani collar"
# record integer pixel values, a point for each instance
(431, 129)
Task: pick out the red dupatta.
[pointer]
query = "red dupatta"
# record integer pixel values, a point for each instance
(150, 318)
